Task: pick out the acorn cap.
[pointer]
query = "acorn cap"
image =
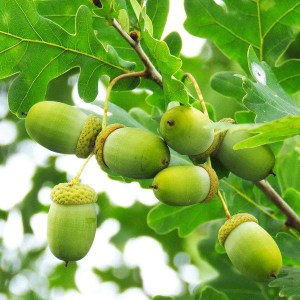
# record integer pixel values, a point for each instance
(210, 151)
(232, 223)
(86, 141)
(70, 194)
(214, 182)
(100, 141)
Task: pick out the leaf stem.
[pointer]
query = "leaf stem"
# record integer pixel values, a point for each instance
(151, 71)
(293, 220)
(198, 91)
(109, 88)
(224, 205)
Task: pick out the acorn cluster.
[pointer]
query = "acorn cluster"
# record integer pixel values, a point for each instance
(139, 154)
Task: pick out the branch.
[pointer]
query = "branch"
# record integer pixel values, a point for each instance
(152, 73)
(293, 220)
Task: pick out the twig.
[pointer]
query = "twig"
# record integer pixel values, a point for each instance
(293, 220)
(152, 73)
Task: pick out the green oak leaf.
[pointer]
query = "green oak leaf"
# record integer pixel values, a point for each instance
(288, 75)
(209, 293)
(288, 163)
(289, 245)
(63, 277)
(174, 42)
(228, 84)
(158, 11)
(271, 132)
(167, 64)
(288, 282)
(165, 218)
(244, 117)
(268, 26)
(22, 43)
(62, 13)
(265, 96)
(162, 298)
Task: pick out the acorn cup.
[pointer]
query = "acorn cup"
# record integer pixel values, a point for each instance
(185, 185)
(131, 152)
(185, 129)
(251, 164)
(62, 128)
(72, 221)
(250, 248)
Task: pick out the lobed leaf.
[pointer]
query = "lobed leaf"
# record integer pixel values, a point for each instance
(271, 132)
(268, 26)
(288, 282)
(21, 45)
(265, 96)
(229, 84)
(158, 11)
(165, 218)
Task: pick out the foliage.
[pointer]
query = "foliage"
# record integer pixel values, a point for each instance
(249, 73)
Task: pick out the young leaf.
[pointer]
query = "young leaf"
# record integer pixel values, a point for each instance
(158, 10)
(224, 24)
(229, 84)
(168, 65)
(22, 43)
(174, 42)
(271, 132)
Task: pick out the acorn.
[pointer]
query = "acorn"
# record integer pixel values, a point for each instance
(185, 129)
(131, 152)
(185, 185)
(252, 163)
(62, 128)
(72, 221)
(250, 248)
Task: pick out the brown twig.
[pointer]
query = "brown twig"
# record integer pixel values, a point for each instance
(293, 220)
(152, 73)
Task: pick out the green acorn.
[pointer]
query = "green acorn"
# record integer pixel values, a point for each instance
(72, 221)
(62, 128)
(251, 164)
(185, 185)
(250, 248)
(131, 152)
(185, 129)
